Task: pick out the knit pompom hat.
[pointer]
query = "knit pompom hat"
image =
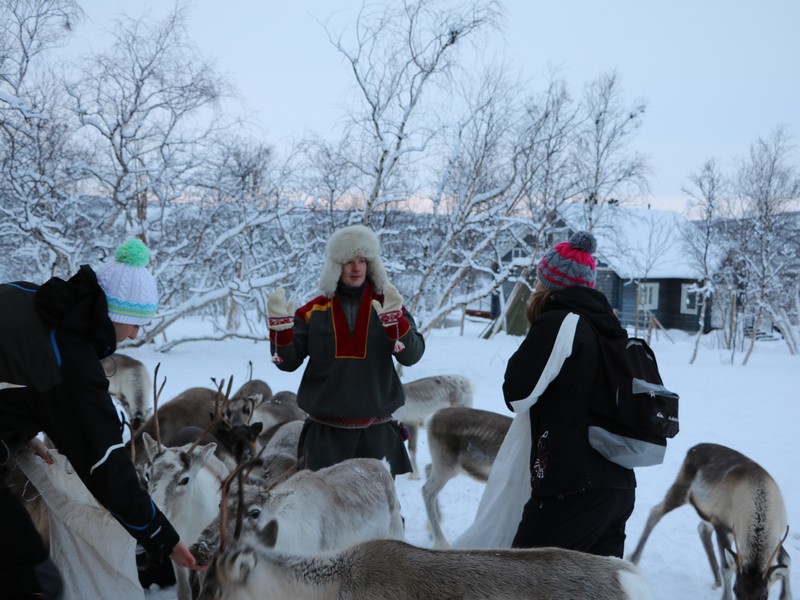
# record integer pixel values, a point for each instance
(569, 263)
(130, 288)
(344, 245)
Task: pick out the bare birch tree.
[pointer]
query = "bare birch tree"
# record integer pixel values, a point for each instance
(37, 225)
(452, 260)
(398, 53)
(145, 106)
(767, 184)
(707, 191)
(606, 168)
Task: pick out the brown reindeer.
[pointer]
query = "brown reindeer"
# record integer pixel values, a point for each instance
(460, 440)
(736, 498)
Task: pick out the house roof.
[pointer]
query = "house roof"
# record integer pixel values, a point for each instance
(636, 243)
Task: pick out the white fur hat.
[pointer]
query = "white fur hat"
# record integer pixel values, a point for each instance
(344, 245)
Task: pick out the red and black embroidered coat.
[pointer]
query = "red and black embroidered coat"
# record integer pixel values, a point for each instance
(350, 374)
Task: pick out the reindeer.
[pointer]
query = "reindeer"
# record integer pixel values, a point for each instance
(335, 507)
(279, 451)
(424, 397)
(185, 483)
(234, 444)
(460, 440)
(239, 410)
(736, 498)
(195, 406)
(129, 382)
(254, 496)
(394, 570)
(281, 407)
(257, 407)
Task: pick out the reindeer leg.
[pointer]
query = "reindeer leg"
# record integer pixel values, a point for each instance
(677, 495)
(785, 560)
(728, 569)
(413, 434)
(705, 529)
(437, 478)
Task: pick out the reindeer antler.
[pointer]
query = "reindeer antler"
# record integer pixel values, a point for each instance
(775, 552)
(156, 395)
(217, 408)
(217, 413)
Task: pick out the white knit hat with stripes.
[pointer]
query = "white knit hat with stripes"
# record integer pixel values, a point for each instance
(131, 291)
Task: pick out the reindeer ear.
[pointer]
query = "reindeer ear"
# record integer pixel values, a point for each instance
(150, 446)
(777, 572)
(243, 563)
(206, 452)
(269, 534)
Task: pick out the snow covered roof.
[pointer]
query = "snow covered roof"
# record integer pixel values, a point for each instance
(636, 243)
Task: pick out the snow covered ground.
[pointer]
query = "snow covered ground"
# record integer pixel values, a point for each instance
(751, 409)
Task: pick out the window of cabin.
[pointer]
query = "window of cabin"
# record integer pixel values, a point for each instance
(688, 299)
(648, 296)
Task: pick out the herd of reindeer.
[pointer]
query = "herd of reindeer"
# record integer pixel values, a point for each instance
(223, 467)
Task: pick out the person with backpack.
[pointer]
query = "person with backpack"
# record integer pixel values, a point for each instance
(579, 500)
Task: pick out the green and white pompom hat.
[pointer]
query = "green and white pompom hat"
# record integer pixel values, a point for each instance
(130, 288)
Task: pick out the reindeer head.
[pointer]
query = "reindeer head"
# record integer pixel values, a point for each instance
(227, 576)
(752, 582)
(179, 485)
(240, 440)
(239, 410)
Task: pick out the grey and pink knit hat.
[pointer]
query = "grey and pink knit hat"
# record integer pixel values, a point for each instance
(569, 263)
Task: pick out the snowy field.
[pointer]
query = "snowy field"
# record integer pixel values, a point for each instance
(750, 409)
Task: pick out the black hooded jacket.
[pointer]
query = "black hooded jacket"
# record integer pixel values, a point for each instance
(51, 341)
(562, 461)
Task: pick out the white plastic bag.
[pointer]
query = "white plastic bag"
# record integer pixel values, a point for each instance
(95, 555)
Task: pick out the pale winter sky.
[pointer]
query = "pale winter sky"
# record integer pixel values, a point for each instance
(716, 74)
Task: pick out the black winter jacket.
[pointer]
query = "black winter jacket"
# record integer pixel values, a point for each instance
(562, 462)
(51, 340)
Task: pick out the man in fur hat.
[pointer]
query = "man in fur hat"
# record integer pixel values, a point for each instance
(350, 334)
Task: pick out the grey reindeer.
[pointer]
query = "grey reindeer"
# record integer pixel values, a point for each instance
(460, 440)
(384, 569)
(736, 498)
(423, 398)
(129, 382)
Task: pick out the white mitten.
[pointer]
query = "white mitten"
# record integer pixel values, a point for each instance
(390, 312)
(280, 314)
